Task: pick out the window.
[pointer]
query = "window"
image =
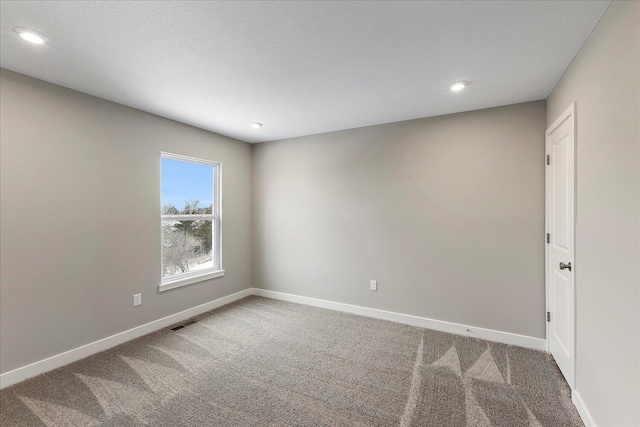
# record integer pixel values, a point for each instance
(190, 216)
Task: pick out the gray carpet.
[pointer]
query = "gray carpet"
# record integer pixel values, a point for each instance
(262, 362)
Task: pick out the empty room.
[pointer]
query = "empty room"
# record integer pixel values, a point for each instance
(320, 213)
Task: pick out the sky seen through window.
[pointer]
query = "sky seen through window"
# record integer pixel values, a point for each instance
(184, 181)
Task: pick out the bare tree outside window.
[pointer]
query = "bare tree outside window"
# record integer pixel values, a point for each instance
(186, 245)
(190, 215)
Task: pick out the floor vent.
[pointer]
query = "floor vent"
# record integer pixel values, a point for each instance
(188, 323)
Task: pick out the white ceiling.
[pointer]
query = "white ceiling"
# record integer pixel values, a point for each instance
(299, 67)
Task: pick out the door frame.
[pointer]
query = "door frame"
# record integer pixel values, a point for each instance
(568, 114)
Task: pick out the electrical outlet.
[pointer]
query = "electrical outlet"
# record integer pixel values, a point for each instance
(137, 299)
(374, 285)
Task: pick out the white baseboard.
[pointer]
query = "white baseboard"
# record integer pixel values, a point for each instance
(422, 322)
(59, 360)
(582, 409)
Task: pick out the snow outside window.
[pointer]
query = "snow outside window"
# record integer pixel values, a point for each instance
(190, 220)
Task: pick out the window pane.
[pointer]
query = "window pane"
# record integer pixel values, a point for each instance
(186, 246)
(187, 188)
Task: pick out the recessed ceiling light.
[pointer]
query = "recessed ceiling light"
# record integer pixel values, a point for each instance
(458, 86)
(31, 36)
(256, 125)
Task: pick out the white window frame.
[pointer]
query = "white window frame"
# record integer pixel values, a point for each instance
(189, 278)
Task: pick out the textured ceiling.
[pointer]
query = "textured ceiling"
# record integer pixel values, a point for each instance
(299, 67)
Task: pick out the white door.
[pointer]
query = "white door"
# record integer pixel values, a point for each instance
(560, 219)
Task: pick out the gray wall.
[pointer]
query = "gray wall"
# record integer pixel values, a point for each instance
(604, 80)
(80, 231)
(447, 213)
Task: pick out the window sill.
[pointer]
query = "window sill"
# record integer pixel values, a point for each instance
(165, 286)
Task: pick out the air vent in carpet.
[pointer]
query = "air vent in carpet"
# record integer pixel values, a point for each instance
(188, 323)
